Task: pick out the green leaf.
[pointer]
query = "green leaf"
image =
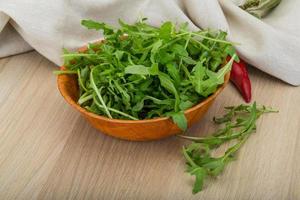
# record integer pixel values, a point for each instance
(231, 51)
(166, 30)
(90, 24)
(139, 106)
(167, 83)
(173, 72)
(119, 55)
(165, 57)
(218, 169)
(98, 92)
(200, 153)
(144, 86)
(180, 120)
(180, 50)
(137, 69)
(200, 174)
(154, 70)
(215, 163)
(155, 50)
(184, 105)
(199, 71)
(189, 60)
(124, 94)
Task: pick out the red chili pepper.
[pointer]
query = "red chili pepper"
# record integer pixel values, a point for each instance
(239, 76)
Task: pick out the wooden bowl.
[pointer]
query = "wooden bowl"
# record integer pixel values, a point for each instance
(134, 130)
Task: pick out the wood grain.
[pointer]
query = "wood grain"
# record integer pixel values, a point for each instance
(48, 151)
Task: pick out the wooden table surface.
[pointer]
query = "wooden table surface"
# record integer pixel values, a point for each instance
(48, 151)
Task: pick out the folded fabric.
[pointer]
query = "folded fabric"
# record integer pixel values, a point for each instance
(272, 44)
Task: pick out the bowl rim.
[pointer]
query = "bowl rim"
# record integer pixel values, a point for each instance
(127, 121)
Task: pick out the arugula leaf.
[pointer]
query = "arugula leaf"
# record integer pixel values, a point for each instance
(98, 92)
(137, 69)
(240, 123)
(166, 30)
(231, 51)
(174, 73)
(180, 119)
(155, 50)
(180, 50)
(185, 105)
(200, 174)
(170, 87)
(90, 24)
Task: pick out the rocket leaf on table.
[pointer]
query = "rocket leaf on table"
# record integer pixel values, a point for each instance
(238, 124)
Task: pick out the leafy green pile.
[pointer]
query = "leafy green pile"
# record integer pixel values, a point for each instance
(239, 122)
(142, 72)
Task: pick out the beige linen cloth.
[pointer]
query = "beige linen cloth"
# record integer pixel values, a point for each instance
(272, 44)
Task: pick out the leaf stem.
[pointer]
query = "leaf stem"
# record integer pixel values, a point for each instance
(201, 44)
(80, 80)
(98, 93)
(60, 72)
(77, 55)
(84, 99)
(115, 111)
(188, 158)
(213, 39)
